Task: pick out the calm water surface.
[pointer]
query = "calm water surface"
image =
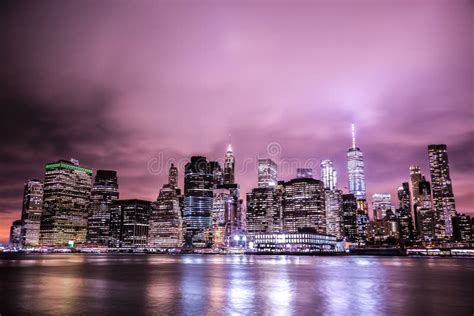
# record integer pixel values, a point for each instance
(79, 284)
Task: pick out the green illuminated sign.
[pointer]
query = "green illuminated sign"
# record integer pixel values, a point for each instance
(66, 166)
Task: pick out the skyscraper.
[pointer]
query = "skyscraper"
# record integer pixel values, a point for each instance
(415, 178)
(66, 199)
(443, 197)
(404, 213)
(424, 214)
(263, 211)
(104, 192)
(229, 166)
(31, 213)
(166, 222)
(198, 185)
(267, 173)
(333, 205)
(304, 173)
(129, 223)
(355, 169)
(328, 175)
(15, 234)
(381, 203)
(304, 206)
(349, 217)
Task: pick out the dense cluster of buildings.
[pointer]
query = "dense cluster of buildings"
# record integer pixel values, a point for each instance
(70, 208)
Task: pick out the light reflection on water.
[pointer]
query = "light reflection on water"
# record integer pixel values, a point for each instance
(123, 284)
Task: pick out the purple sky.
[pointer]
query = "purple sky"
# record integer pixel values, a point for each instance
(121, 84)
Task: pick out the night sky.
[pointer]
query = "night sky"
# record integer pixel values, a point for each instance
(130, 86)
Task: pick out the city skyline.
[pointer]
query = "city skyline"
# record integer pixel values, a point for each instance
(118, 105)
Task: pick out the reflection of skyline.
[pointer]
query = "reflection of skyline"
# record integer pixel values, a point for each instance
(240, 285)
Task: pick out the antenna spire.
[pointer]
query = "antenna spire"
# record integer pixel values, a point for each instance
(353, 136)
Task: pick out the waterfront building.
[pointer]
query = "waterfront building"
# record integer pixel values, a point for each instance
(333, 206)
(304, 205)
(304, 173)
(226, 215)
(405, 219)
(198, 186)
(462, 230)
(425, 217)
(349, 217)
(166, 222)
(300, 242)
(328, 175)
(104, 191)
(355, 169)
(263, 212)
(381, 203)
(66, 201)
(15, 234)
(129, 223)
(229, 166)
(267, 173)
(441, 185)
(31, 213)
(362, 220)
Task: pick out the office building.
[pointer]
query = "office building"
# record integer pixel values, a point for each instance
(424, 214)
(304, 206)
(31, 213)
(404, 213)
(462, 230)
(66, 201)
(267, 173)
(104, 192)
(333, 205)
(441, 185)
(129, 223)
(303, 242)
(15, 235)
(263, 211)
(328, 175)
(349, 217)
(304, 173)
(198, 186)
(355, 169)
(381, 203)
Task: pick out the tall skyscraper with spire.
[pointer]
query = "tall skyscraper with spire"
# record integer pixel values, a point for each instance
(229, 166)
(355, 169)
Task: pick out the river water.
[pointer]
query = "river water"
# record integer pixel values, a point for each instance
(133, 284)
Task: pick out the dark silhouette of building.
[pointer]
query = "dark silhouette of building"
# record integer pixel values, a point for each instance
(104, 192)
(129, 223)
(349, 216)
(404, 213)
(31, 213)
(462, 230)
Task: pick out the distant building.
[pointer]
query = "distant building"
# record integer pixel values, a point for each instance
(381, 203)
(443, 197)
(215, 170)
(304, 173)
(355, 169)
(104, 192)
(415, 179)
(198, 186)
(328, 175)
(267, 173)
(15, 234)
(404, 213)
(129, 223)
(66, 200)
(166, 222)
(349, 216)
(333, 205)
(226, 216)
(304, 205)
(31, 213)
(462, 230)
(229, 166)
(424, 214)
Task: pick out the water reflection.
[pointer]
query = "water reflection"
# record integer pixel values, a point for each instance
(127, 284)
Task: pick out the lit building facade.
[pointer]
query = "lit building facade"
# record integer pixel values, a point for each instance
(349, 217)
(304, 206)
(15, 235)
(333, 205)
(415, 179)
(381, 203)
(441, 185)
(263, 211)
(293, 242)
(198, 186)
(166, 222)
(328, 175)
(104, 192)
(304, 173)
(462, 229)
(129, 223)
(31, 213)
(66, 201)
(404, 213)
(229, 166)
(355, 169)
(424, 214)
(267, 173)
